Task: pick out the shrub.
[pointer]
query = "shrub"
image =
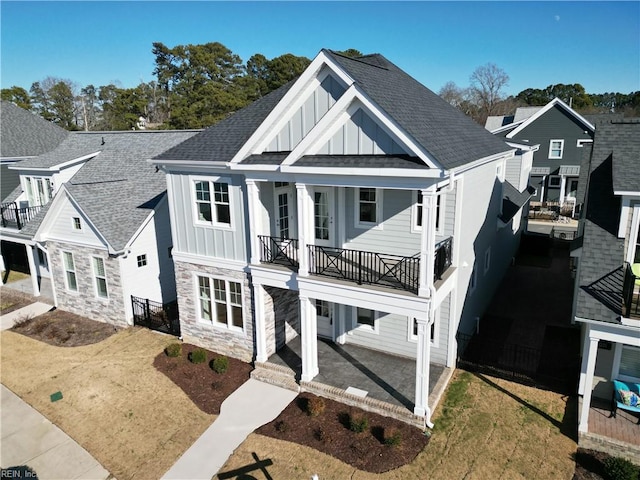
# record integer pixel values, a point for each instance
(281, 426)
(198, 356)
(322, 435)
(220, 364)
(315, 406)
(392, 437)
(358, 423)
(616, 468)
(173, 350)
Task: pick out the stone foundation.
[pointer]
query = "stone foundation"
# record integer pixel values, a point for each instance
(613, 447)
(234, 344)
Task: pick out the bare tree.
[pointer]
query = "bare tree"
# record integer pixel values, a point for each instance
(487, 82)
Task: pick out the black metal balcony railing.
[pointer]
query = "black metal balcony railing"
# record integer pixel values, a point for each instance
(281, 251)
(630, 294)
(14, 217)
(369, 268)
(443, 257)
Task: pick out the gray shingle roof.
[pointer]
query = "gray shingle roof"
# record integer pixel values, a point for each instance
(601, 263)
(626, 158)
(222, 141)
(265, 159)
(24, 134)
(117, 189)
(361, 161)
(451, 137)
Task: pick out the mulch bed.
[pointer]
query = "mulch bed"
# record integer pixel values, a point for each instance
(329, 433)
(206, 388)
(64, 329)
(589, 465)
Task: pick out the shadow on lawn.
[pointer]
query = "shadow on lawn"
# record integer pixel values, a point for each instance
(569, 424)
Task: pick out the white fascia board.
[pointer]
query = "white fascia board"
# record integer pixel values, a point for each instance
(521, 146)
(254, 168)
(506, 127)
(289, 103)
(186, 163)
(16, 237)
(359, 172)
(613, 332)
(545, 109)
(13, 159)
(210, 261)
(481, 161)
(191, 167)
(624, 193)
(362, 181)
(59, 166)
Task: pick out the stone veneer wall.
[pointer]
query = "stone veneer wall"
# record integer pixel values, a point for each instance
(599, 443)
(238, 345)
(85, 302)
(282, 317)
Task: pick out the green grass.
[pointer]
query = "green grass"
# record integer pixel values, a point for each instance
(453, 401)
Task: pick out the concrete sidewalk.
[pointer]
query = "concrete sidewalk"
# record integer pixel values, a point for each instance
(28, 438)
(249, 407)
(38, 308)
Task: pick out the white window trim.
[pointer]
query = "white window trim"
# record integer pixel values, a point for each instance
(96, 276)
(553, 157)
(500, 173)
(211, 180)
(415, 228)
(553, 177)
(31, 188)
(633, 234)
(213, 323)
(617, 357)
(73, 224)
(364, 327)
(379, 205)
(144, 258)
(487, 260)
(64, 267)
(583, 141)
(436, 329)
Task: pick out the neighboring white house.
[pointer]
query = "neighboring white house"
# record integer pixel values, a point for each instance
(353, 205)
(607, 296)
(105, 234)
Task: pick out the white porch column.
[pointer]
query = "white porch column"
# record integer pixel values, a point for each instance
(260, 325)
(309, 340)
(563, 188)
(31, 252)
(591, 353)
(255, 220)
(427, 242)
(305, 219)
(422, 369)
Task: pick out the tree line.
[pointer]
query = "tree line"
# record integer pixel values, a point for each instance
(197, 85)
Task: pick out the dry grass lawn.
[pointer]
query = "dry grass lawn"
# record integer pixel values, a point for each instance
(130, 417)
(485, 428)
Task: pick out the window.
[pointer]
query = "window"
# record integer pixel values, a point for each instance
(365, 317)
(220, 302)
(213, 209)
(555, 181)
(100, 277)
(76, 223)
(142, 260)
(487, 260)
(555, 149)
(39, 190)
(630, 362)
(70, 271)
(170, 252)
(413, 333)
(583, 141)
(368, 207)
(417, 221)
(322, 308)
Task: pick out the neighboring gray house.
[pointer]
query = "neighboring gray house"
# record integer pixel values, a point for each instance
(352, 205)
(102, 233)
(560, 132)
(607, 296)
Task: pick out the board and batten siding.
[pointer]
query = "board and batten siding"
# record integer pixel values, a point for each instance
(306, 117)
(62, 229)
(393, 334)
(361, 135)
(204, 240)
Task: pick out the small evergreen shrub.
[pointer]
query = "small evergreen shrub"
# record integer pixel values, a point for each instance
(392, 437)
(315, 406)
(358, 423)
(616, 468)
(173, 350)
(220, 364)
(198, 356)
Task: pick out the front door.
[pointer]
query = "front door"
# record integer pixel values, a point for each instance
(324, 318)
(284, 211)
(323, 216)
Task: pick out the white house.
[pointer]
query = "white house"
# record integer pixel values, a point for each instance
(351, 205)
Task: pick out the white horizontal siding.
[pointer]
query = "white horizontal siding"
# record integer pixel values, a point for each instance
(61, 228)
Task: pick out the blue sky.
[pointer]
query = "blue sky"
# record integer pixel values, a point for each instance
(596, 44)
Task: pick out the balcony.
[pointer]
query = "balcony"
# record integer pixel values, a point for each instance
(358, 266)
(13, 216)
(631, 293)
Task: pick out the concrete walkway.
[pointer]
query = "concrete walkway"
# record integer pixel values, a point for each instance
(30, 439)
(249, 407)
(38, 308)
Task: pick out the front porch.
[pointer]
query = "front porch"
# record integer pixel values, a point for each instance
(373, 380)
